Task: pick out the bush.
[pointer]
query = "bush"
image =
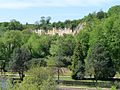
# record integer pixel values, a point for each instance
(39, 78)
(113, 88)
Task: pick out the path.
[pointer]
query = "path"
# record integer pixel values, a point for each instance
(77, 88)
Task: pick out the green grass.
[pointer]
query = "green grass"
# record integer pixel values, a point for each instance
(68, 78)
(64, 78)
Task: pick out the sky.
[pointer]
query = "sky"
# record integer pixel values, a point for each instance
(59, 10)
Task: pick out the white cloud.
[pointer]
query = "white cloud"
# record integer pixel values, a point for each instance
(19, 4)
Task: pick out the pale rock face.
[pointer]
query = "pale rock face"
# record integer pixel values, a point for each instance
(60, 31)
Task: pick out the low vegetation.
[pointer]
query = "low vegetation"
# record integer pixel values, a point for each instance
(39, 78)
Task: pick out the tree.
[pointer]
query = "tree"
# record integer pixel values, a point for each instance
(115, 43)
(37, 25)
(8, 42)
(114, 10)
(2, 66)
(61, 51)
(44, 23)
(15, 25)
(68, 24)
(39, 45)
(74, 24)
(78, 64)
(3, 27)
(58, 25)
(63, 48)
(101, 62)
(83, 38)
(20, 57)
(101, 15)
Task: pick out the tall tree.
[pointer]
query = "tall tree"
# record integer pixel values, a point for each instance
(78, 64)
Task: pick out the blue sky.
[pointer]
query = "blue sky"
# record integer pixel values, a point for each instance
(60, 10)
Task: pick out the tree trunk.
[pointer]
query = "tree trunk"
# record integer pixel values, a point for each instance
(58, 75)
(21, 75)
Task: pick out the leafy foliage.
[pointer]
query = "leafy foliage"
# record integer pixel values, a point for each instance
(101, 62)
(39, 79)
(19, 60)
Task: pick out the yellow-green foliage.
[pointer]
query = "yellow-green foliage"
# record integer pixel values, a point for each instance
(113, 88)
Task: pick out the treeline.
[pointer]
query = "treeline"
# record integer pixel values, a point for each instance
(94, 51)
(44, 24)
